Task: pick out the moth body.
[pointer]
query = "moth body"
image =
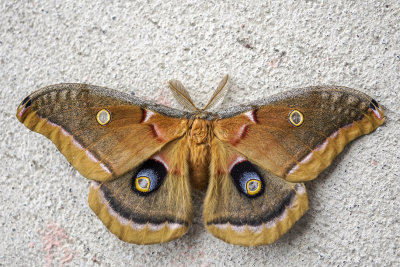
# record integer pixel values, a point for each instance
(200, 137)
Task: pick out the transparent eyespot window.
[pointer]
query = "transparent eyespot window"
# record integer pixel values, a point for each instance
(253, 186)
(142, 184)
(103, 117)
(296, 118)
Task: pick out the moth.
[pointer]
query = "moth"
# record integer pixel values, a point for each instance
(144, 159)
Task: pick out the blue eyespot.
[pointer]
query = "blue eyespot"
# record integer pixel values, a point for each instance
(247, 179)
(149, 177)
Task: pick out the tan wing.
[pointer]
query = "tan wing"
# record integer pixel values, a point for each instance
(150, 204)
(246, 205)
(296, 135)
(101, 132)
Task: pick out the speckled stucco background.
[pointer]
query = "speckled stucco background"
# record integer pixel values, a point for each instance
(267, 47)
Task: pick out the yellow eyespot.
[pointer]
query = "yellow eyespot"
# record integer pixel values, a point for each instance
(296, 118)
(103, 117)
(253, 186)
(142, 184)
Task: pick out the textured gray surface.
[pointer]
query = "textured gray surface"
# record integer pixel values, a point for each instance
(267, 47)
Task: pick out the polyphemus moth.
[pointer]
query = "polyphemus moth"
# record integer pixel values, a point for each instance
(144, 159)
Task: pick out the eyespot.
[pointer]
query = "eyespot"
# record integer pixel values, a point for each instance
(142, 184)
(149, 177)
(296, 118)
(253, 186)
(247, 179)
(103, 117)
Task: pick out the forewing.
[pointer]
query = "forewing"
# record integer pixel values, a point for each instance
(101, 132)
(296, 135)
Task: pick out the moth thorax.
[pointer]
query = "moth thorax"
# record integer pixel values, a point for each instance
(200, 131)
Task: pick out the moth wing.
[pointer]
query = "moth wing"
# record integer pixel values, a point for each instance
(150, 204)
(245, 204)
(102, 133)
(296, 135)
